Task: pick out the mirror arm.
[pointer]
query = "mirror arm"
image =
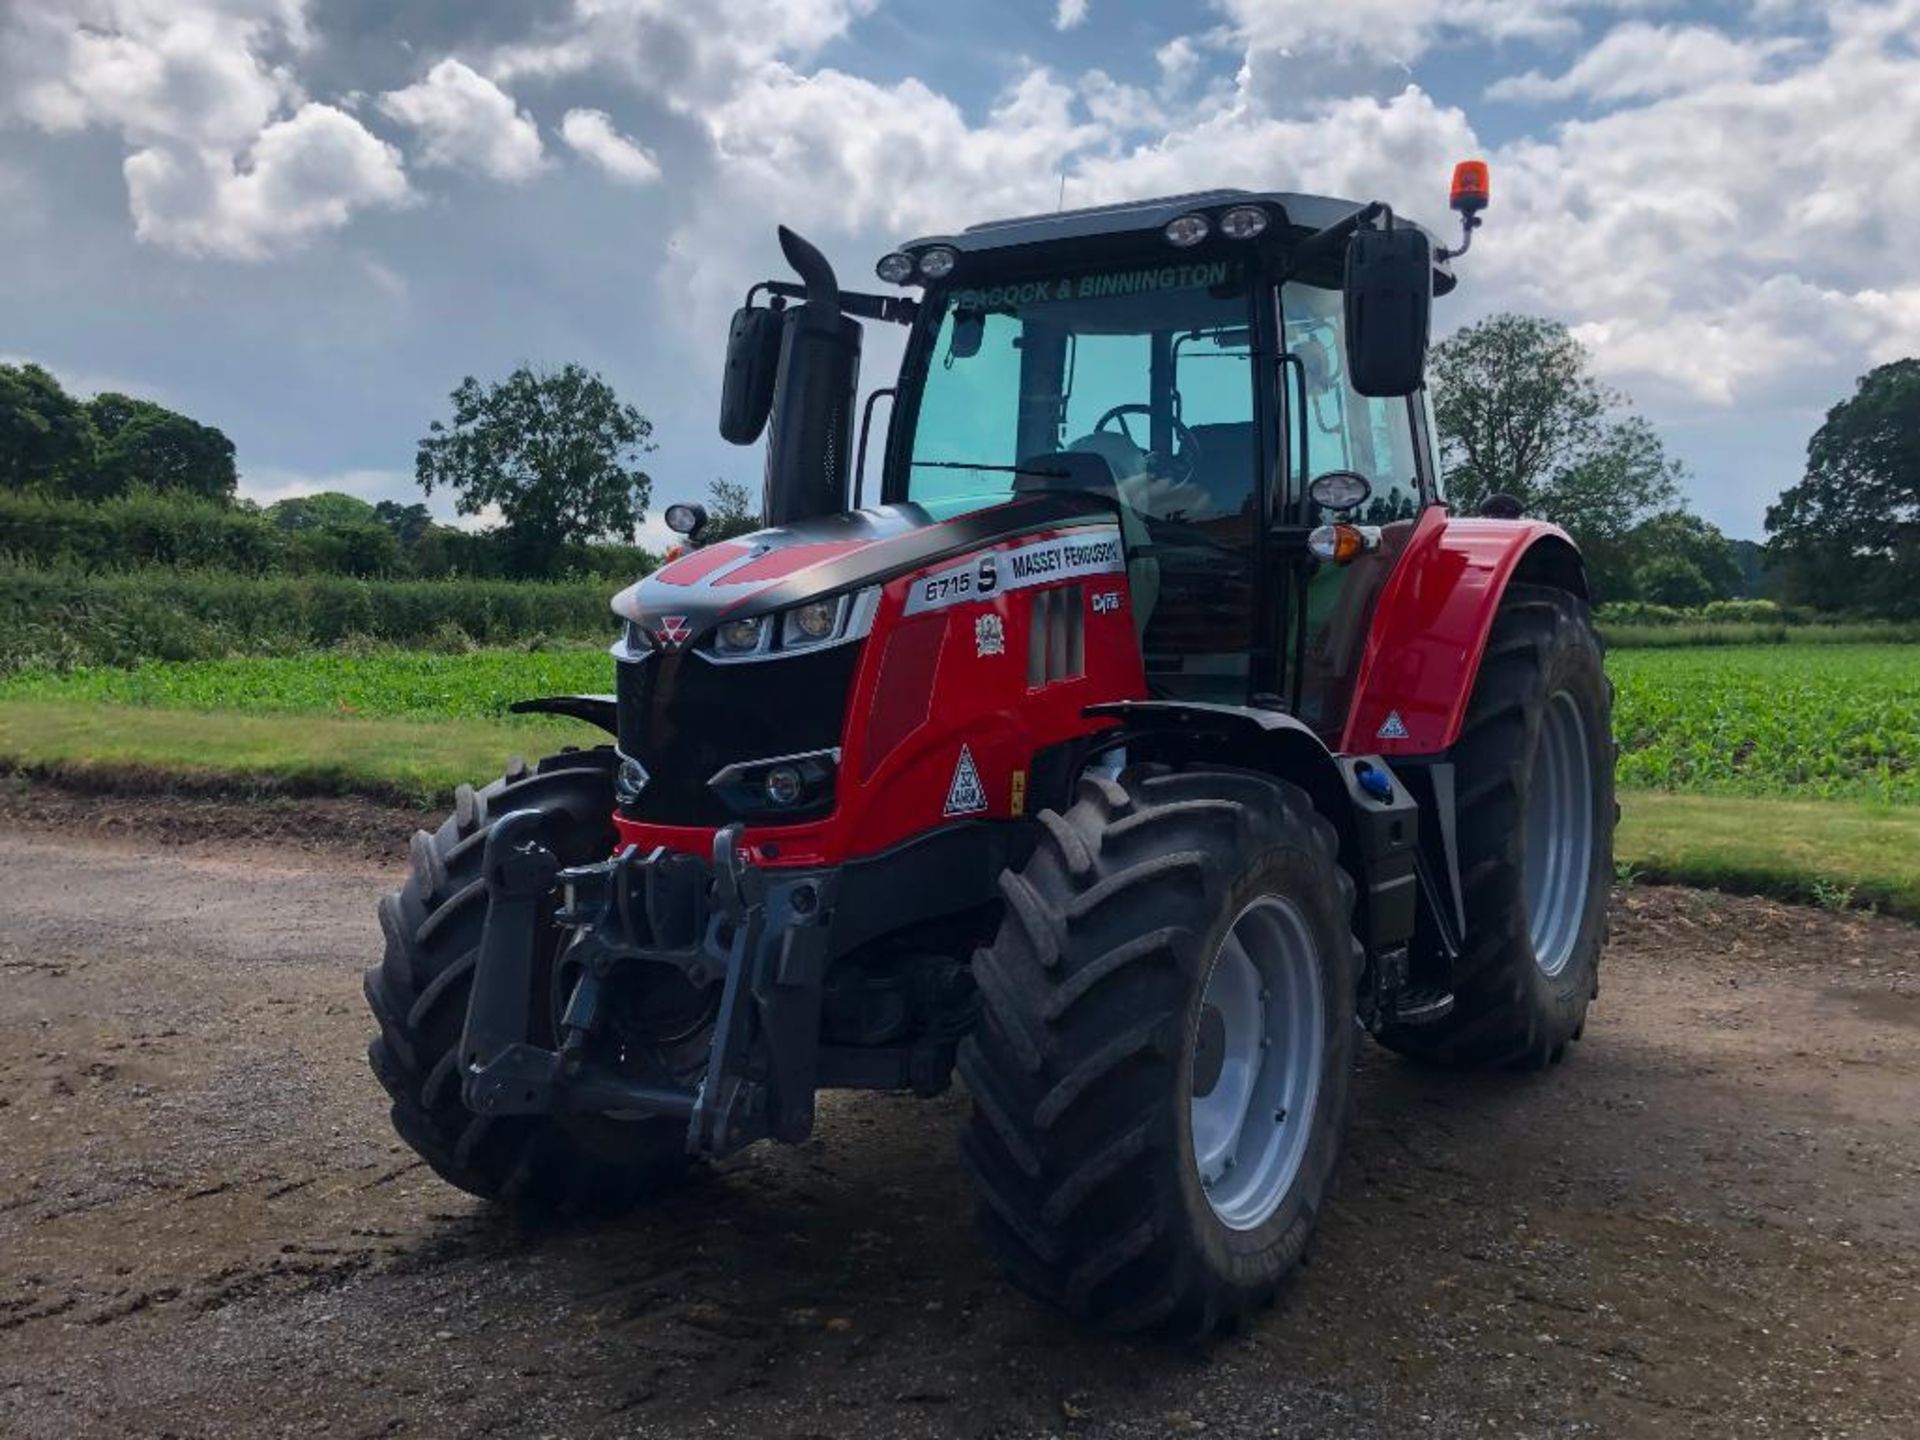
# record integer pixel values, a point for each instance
(1323, 242)
(898, 309)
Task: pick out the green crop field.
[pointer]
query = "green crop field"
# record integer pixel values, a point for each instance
(1816, 721)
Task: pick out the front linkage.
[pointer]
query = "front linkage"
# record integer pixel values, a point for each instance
(763, 936)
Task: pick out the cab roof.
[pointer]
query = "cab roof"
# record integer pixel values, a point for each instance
(1136, 220)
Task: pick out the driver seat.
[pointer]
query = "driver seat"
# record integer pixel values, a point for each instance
(1110, 466)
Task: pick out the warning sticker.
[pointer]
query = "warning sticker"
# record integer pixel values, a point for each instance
(1042, 562)
(1394, 728)
(966, 795)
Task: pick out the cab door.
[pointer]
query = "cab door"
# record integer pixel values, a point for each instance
(1385, 442)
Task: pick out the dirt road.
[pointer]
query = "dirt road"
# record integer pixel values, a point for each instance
(1706, 1223)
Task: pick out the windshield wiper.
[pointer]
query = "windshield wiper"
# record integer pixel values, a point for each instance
(1000, 469)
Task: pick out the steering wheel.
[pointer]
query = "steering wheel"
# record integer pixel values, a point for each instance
(1179, 466)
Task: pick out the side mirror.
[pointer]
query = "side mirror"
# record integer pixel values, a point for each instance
(1389, 294)
(753, 357)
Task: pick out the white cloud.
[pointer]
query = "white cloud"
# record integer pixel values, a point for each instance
(1179, 62)
(1738, 243)
(591, 133)
(196, 89)
(189, 72)
(1390, 31)
(683, 55)
(466, 122)
(1741, 212)
(302, 176)
(1068, 14)
(1637, 61)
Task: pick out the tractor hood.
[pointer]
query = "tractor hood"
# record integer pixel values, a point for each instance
(772, 570)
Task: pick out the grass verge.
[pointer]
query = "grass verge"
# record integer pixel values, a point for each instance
(398, 760)
(1824, 852)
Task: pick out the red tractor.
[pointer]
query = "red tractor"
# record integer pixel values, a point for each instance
(1159, 729)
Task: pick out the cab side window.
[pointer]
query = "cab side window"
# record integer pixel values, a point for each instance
(1347, 430)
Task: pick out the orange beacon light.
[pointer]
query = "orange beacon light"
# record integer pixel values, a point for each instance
(1470, 188)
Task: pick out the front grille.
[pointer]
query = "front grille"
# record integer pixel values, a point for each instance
(686, 719)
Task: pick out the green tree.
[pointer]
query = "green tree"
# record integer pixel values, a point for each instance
(556, 452)
(1848, 534)
(148, 445)
(407, 522)
(1678, 551)
(1669, 579)
(46, 437)
(1519, 413)
(731, 511)
(323, 510)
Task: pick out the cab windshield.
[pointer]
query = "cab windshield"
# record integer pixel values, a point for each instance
(1134, 383)
(1145, 370)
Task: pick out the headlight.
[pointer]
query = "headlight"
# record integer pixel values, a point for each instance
(816, 620)
(741, 637)
(895, 269)
(811, 625)
(937, 263)
(782, 786)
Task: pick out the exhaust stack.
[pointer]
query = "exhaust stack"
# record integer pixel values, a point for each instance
(810, 433)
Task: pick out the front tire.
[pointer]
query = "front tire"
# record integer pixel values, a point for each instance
(1533, 772)
(418, 993)
(1141, 1159)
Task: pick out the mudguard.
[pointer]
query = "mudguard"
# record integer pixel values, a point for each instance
(1430, 627)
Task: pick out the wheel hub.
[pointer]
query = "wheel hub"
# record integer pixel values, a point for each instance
(1257, 1051)
(1559, 833)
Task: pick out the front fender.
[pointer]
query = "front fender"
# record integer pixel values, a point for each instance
(597, 710)
(1430, 627)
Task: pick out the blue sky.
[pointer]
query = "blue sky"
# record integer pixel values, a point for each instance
(305, 220)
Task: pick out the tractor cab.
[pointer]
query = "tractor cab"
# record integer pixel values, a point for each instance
(1187, 359)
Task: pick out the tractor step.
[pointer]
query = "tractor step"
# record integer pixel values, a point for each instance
(1422, 1006)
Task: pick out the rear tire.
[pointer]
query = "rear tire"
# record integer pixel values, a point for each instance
(418, 994)
(1103, 1016)
(1534, 780)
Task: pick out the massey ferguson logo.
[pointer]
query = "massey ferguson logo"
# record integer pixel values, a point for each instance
(673, 631)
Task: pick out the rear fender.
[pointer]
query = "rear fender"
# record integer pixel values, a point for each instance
(594, 709)
(1430, 627)
(1379, 833)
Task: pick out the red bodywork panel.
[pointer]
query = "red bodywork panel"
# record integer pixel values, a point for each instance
(1430, 627)
(900, 752)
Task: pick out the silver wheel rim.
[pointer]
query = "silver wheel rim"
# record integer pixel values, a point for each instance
(1257, 1051)
(1559, 834)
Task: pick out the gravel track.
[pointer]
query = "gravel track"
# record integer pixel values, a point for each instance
(1707, 1222)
